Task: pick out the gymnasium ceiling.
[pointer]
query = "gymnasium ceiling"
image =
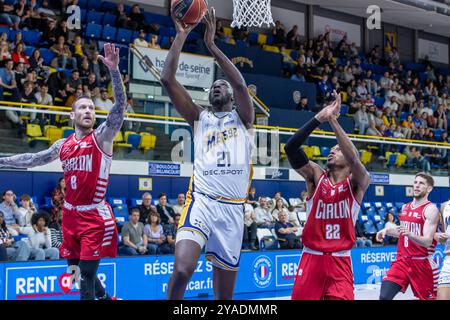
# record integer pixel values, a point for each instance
(395, 13)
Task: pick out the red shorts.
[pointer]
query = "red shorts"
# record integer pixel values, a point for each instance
(421, 274)
(324, 277)
(89, 234)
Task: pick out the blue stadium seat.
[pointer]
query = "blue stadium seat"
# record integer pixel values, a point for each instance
(379, 101)
(93, 31)
(67, 132)
(107, 6)
(344, 109)
(269, 40)
(403, 116)
(124, 35)
(369, 228)
(193, 36)
(163, 41)
(94, 5)
(123, 65)
(31, 37)
(253, 38)
(399, 205)
(121, 214)
(371, 212)
(438, 133)
(366, 205)
(47, 55)
(379, 225)
(392, 160)
(134, 202)
(382, 211)
(324, 151)
(378, 205)
(94, 17)
(294, 54)
(114, 202)
(83, 15)
(109, 33)
(109, 20)
(29, 51)
(83, 4)
(48, 201)
(241, 44)
(133, 139)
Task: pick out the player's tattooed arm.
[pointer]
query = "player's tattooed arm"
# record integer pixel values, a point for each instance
(30, 160)
(106, 132)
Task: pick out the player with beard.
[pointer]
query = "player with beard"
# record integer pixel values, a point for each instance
(333, 203)
(414, 264)
(88, 226)
(223, 144)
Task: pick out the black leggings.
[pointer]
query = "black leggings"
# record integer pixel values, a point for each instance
(388, 290)
(90, 285)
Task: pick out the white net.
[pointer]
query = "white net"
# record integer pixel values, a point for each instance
(251, 13)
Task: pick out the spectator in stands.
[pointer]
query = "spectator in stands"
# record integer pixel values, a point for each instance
(63, 55)
(251, 198)
(441, 119)
(279, 207)
(286, 233)
(133, 236)
(18, 55)
(146, 207)
(78, 50)
(361, 90)
(45, 11)
(58, 197)
(55, 227)
(278, 34)
(417, 159)
(389, 222)
(353, 102)
(398, 133)
(361, 119)
(90, 86)
(263, 217)
(130, 125)
(389, 117)
(155, 233)
(250, 227)
(277, 196)
(22, 10)
(165, 211)
(324, 88)
(122, 17)
(62, 31)
(293, 38)
(37, 64)
(178, 208)
(137, 18)
(27, 209)
(294, 217)
(371, 84)
(154, 42)
(39, 238)
(49, 34)
(20, 74)
(100, 70)
(5, 53)
(372, 130)
(361, 239)
(102, 102)
(220, 31)
(15, 251)
(335, 85)
(170, 231)
(10, 210)
(303, 104)
(7, 15)
(73, 82)
(28, 95)
(298, 76)
(140, 41)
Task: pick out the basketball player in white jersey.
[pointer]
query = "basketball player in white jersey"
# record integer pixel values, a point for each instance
(444, 237)
(214, 211)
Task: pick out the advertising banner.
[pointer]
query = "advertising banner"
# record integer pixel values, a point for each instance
(436, 51)
(193, 70)
(147, 277)
(337, 29)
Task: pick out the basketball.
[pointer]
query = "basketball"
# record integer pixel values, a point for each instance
(189, 11)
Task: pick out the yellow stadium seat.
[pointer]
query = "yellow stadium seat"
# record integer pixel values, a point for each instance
(282, 152)
(401, 160)
(53, 133)
(228, 31)
(309, 151)
(387, 155)
(119, 142)
(232, 41)
(271, 48)
(34, 134)
(317, 155)
(148, 141)
(344, 96)
(366, 157)
(262, 39)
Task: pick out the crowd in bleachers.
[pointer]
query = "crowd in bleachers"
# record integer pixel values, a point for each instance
(29, 231)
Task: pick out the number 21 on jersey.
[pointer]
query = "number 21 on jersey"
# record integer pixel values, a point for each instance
(332, 231)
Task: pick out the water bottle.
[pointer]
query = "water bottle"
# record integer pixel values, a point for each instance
(262, 245)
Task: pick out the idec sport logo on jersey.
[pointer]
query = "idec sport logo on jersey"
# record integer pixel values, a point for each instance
(286, 269)
(51, 282)
(262, 271)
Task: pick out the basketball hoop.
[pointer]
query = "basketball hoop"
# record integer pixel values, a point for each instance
(251, 13)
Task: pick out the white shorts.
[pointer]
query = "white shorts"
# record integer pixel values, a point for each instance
(444, 275)
(217, 224)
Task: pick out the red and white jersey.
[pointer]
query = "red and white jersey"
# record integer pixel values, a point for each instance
(332, 212)
(413, 219)
(86, 170)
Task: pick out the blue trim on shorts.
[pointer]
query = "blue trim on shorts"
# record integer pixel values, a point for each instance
(187, 222)
(215, 255)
